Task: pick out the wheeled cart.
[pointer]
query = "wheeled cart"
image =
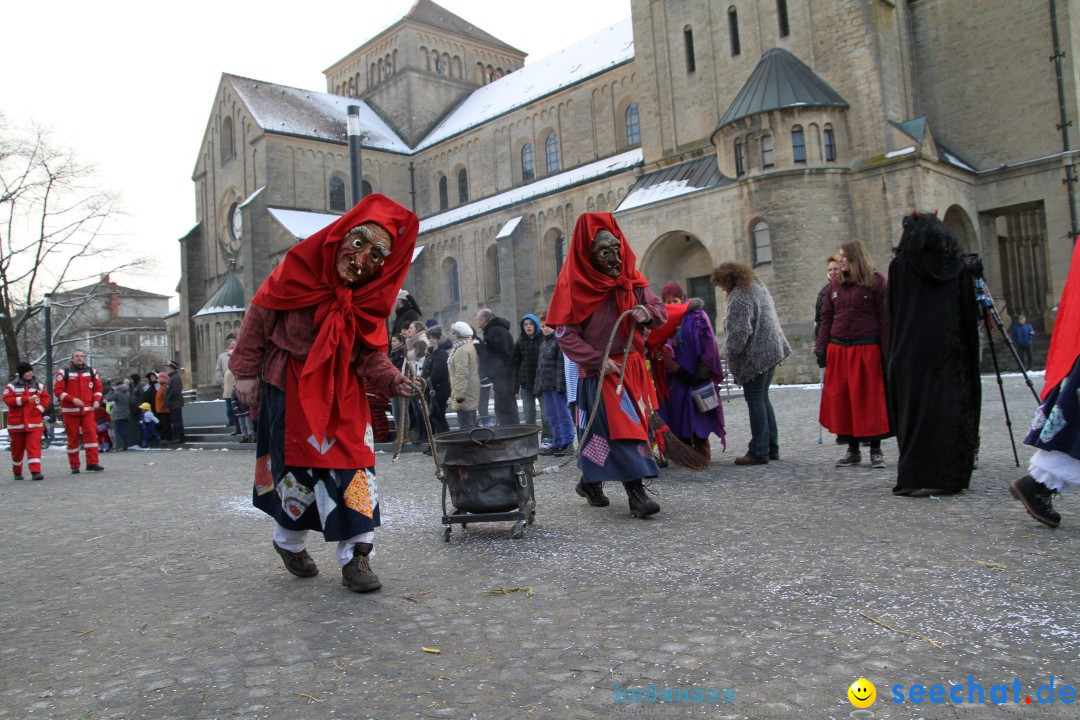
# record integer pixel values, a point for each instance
(488, 476)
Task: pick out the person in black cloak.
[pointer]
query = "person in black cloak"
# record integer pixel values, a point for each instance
(934, 392)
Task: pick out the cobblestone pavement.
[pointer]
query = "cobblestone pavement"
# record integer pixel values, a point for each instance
(151, 590)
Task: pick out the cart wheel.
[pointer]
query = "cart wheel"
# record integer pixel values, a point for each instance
(519, 530)
(446, 533)
(532, 517)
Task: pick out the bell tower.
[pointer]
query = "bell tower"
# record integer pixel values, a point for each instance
(415, 71)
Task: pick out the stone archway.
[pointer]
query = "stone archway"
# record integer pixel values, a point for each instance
(681, 257)
(957, 220)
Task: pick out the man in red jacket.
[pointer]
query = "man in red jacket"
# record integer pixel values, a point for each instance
(26, 401)
(79, 390)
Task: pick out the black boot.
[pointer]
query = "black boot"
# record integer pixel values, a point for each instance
(357, 574)
(640, 503)
(1037, 499)
(593, 492)
(299, 564)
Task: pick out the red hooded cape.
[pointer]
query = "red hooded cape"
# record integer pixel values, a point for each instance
(1065, 342)
(307, 277)
(581, 288)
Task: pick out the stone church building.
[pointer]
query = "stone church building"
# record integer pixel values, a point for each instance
(763, 131)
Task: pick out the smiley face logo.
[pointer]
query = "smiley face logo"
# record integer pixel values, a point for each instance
(862, 693)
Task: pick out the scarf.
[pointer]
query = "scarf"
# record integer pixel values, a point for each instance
(308, 276)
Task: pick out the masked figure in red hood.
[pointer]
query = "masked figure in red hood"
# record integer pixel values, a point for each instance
(599, 282)
(1055, 429)
(312, 343)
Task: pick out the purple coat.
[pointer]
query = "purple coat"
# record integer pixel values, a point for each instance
(694, 341)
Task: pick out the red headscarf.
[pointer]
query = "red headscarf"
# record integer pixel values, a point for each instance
(581, 289)
(1065, 342)
(308, 276)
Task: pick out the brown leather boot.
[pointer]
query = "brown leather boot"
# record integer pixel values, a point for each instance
(357, 574)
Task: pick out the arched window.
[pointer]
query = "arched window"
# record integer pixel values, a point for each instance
(365, 188)
(452, 288)
(463, 186)
(766, 151)
(733, 30)
(798, 144)
(560, 253)
(528, 168)
(829, 141)
(781, 15)
(762, 244)
(740, 158)
(633, 125)
(688, 40)
(228, 144)
(337, 194)
(551, 152)
(444, 194)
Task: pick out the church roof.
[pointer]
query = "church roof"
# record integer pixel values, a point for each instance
(307, 113)
(544, 186)
(675, 181)
(229, 297)
(780, 80)
(602, 51)
(429, 13)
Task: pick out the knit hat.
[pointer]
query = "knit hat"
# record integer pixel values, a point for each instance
(402, 294)
(431, 322)
(461, 329)
(144, 406)
(672, 289)
(23, 368)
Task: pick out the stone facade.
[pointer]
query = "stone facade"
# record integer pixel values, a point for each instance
(943, 108)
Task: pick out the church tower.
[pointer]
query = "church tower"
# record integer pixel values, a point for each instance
(418, 69)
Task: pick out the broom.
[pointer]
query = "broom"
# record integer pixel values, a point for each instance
(669, 445)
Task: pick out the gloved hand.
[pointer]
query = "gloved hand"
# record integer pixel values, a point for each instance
(820, 358)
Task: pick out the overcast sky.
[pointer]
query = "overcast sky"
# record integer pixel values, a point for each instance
(129, 85)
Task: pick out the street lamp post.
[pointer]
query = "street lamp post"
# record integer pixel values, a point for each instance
(355, 138)
(48, 344)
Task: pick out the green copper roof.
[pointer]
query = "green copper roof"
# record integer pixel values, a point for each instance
(228, 298)
(780, 80)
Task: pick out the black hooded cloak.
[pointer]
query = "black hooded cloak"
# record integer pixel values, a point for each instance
(934, 392)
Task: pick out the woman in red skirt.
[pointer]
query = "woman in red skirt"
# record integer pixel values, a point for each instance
(852, 339)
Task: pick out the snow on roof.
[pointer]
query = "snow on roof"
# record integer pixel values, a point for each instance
(509, 228)
(901, 151)
(302, 223)
(655, 193)
(251, 197)
(305, 224)
(610, 47)
(607, 166)
(307, 113)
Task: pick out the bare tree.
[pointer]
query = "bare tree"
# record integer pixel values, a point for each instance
(54, 223)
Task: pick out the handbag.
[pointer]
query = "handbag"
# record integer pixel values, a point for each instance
(705, 397)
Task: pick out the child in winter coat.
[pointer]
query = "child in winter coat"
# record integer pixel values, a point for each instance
(148, 426)
(551, 384)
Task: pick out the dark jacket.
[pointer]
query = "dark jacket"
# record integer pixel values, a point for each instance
(397, 357)
(1022, 335)
(120, 397)
(854, 312)
(174, 391)
(523, 360)
(405, 314)
(437, 370)
(498, 348)
(549, 369)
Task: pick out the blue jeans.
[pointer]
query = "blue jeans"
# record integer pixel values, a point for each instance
(764, 440)
(562, 427)
(529, 401)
